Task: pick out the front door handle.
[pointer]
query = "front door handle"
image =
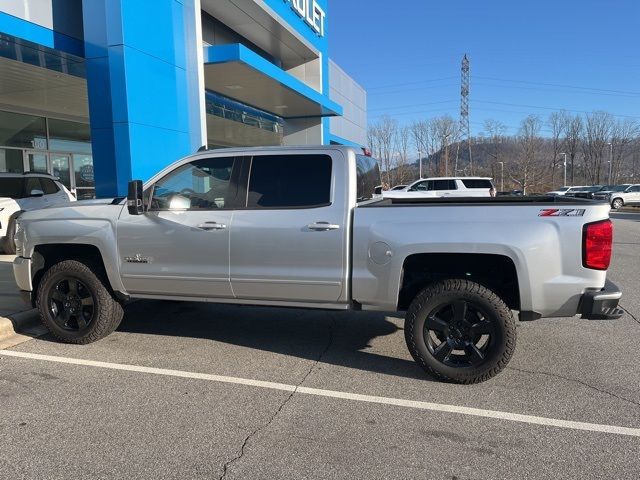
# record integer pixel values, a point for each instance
(322, 226)
(212, 226)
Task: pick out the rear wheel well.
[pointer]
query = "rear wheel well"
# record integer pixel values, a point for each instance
(496, 272)
(47, 255)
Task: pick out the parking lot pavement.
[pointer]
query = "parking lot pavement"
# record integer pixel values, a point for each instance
(202, 414)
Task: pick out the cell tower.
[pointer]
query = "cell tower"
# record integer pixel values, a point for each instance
(464, 108)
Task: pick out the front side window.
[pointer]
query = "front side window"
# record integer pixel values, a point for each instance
(422, 186)
(289, 181)
(200, 185)
(33, 183)
(48, 186)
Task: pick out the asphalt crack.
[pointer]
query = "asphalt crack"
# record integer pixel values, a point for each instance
(580, 382)
(238, 457)
(629, 313)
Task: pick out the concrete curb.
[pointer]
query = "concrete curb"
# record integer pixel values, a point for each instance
(20, 327)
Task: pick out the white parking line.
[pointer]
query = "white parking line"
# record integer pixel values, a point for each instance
(436, 407)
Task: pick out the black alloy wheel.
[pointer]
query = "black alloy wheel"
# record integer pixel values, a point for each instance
(459, 333)
(71, 304)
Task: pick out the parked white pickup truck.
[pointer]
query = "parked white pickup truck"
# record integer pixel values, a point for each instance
(297, 227)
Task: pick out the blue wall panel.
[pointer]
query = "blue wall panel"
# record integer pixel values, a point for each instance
(25, 30)
(140, 75)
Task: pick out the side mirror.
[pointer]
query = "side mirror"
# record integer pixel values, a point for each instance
(36, 193)
(135, 205)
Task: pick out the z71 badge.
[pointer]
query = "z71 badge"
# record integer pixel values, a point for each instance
(561, 212)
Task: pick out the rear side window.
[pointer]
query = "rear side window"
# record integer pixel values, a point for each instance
(477, 183)
(444, 185)
(289, 181)
(12, 187)
(49, 187)
(368, 177)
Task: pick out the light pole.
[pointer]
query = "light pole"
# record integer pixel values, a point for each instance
(610, 161)
(501, 176)
(420, 160)
(565, 169)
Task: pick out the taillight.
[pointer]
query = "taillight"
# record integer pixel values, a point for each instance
(597, 239)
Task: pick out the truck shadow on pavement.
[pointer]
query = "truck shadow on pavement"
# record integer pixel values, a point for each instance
(329, 337)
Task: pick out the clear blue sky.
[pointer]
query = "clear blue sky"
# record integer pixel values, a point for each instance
(407, 55)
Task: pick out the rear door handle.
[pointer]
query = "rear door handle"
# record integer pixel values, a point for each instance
(212, 226)
(322, 226)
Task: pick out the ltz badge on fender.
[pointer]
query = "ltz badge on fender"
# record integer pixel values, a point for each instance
(561, 212)
(137, 258)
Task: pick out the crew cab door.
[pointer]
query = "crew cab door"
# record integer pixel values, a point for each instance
(180, 245)
(290, 241)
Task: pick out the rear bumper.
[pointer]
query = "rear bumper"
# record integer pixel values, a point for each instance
(601, 304)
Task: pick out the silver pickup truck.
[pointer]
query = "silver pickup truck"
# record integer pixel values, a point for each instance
(299, 227)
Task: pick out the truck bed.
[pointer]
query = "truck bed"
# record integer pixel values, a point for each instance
(524, 200)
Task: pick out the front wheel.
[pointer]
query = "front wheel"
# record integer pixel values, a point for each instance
(8, 243)
(460, 331)
(75, 305)
(617, 203)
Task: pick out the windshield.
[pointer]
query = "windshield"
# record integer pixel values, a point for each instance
(11, 187)
(595, 188)
(562, 189)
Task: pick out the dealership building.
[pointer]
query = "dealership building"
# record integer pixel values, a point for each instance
(98, 92)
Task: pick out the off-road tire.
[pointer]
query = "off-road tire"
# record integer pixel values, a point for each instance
(617, 203)
(108, 314)
(8, 243)
(500, 316)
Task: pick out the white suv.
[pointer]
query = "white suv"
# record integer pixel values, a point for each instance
(22, 192)
(445, 187)
(620, 195)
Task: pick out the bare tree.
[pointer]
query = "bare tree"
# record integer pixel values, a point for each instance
(624, 133)
(523, 170)
(445, 130)
(496, 131)
(573, 129)
(421, 135)
(382, 137)
(403, 145)
(597, 134)
(557, 123)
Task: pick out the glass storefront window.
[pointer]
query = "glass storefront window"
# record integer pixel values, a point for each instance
(83, 171)
(68, 136)
(60, 167)
(23, 131)
(38, 162)
(11, 161)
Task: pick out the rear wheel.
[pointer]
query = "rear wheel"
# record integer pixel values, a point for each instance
(460, 331)
(75, 305)
(617, 203)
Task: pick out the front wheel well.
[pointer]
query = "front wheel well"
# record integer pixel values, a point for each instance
(47, 255)
(496, 272)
